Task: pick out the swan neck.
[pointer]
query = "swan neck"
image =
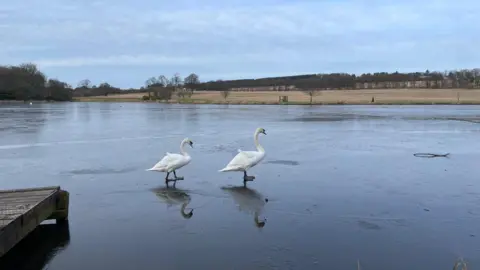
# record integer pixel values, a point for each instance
(256, 217)
(184, 205)
(182, 210)
(182, 148)
(258, 223)
(257, 144)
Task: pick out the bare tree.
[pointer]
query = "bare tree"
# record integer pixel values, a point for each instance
(192, 81)
(176, 84)
(35, 78)
(164, 93)
(54, 83)
(163, 81)
(85, 84)
(29, 68)
(154, 85)
(151, 81)
(105, 85)
(225, 93)
(105, 88)
(188, 92)
(305, 87)
(311, 93)
(180, 93)
(184, 92)
(176, 81)
(476, 77)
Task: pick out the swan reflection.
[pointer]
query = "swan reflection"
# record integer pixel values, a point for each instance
(174, 196)
(249, 201)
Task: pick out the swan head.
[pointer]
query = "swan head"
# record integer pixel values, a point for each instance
(189, 142)
(258, 223)
(261, 130)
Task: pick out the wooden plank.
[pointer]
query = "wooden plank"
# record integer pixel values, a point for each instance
(53, 188)
(9, 217)
(14, 212)
(33, 196)
(14, 207)
(26, 194)
(22, 210)
(10, 201)
(6, 220)
(18, 228)
(30, 190)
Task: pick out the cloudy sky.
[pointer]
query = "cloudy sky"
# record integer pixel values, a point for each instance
(125, 42)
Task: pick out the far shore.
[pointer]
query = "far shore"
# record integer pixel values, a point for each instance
(8, 101)
(325, 97)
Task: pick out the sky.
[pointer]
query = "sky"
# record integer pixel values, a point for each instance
(126, 42)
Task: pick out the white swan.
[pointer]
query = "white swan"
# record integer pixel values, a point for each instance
(245, 160)
(172, 162)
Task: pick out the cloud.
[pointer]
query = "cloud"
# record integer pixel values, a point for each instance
(217, 38)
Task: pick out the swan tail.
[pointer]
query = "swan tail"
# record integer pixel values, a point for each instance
(156, 169)
(229, 169)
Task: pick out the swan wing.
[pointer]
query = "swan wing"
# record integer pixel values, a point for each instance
(167, 162)
(243, 160)
(254, 157)
(251, 154)
(179, 162)
(167, 159)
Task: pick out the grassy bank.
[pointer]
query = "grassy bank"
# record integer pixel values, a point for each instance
(327, 97)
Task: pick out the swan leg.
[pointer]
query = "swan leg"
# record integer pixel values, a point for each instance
(170, 180)
(166, 179)
(247, 177)
(177, 178)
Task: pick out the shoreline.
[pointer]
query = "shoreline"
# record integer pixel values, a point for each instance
(9, 101)
(324, 97)
(196, 102)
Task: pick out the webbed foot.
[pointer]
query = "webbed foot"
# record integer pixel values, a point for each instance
(248, 178)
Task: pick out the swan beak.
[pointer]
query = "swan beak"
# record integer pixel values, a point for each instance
(191, 144)
(264, 132)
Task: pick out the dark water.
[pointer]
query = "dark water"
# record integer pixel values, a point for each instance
(339, 185)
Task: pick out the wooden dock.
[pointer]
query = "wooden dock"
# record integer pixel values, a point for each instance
(22, 210)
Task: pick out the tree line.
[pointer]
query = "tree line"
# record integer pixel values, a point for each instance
(27, 82)
(338, 81)
(163, 87)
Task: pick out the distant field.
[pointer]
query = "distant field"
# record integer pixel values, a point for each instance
(382, 96)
